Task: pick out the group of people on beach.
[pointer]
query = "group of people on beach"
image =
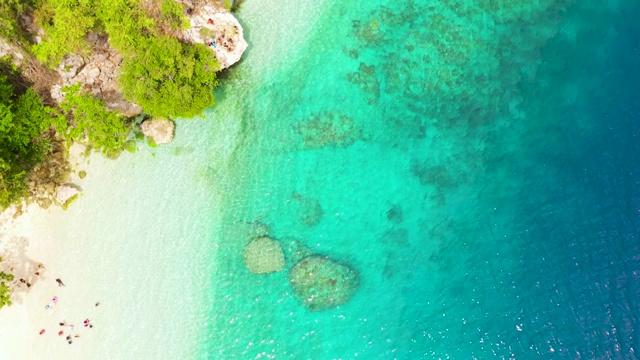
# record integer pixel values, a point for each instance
(68, 328)
(72, 336)
(29, 279)
(223, 40)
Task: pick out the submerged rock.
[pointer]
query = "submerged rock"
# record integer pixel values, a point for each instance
(328, 128)
(321, 283)
(160, 130)
(310, 210)
(264, 255)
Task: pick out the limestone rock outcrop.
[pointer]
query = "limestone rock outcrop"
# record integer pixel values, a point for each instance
(65, 192)
(321, 283)
(98, 74)
(264, 255)
(217, 28)
(160, 130)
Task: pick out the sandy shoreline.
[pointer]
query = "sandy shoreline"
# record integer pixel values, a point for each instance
(122, 245)
(26, 240)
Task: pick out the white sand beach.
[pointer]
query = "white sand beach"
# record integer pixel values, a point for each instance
(122, 245)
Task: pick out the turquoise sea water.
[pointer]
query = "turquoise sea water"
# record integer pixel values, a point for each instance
(476, 161)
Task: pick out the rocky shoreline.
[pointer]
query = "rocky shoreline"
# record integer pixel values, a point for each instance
(211, 24)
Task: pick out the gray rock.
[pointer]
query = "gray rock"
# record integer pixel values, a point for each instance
(70, 65)
(65, 192)
(160, 130)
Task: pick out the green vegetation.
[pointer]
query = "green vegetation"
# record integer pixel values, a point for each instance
(23, 146)
(5, 290)
(164, 76)
(65, 23)
(104, 130)
(172, 15)
(169, 78)
(126, 23)
(131, 146)
(9, 10)
(66, 204)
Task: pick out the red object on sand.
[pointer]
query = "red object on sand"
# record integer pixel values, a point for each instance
(60, 333)
(41, 331)
(210, 21)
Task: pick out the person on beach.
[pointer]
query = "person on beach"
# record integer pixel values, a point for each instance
(60, 283)
(62, 324)
(210, 21)
(41, 332)
(98, 303)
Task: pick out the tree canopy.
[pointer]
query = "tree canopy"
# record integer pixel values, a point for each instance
(5, 290)
(93, 124)
(162, 75)
(23, 121)
(170, 79)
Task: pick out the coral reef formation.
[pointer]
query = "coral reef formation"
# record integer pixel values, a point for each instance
(394, 214)
(458, 62)
(321, 283)
(264, 255)
(310, 210)
(328, 129)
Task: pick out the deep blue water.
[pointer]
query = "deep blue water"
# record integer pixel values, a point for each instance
(475, 161)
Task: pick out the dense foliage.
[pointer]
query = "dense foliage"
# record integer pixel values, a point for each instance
(66, 23)
(23, 120)
(126, 23)
(169, 79)
(9, 10)
(5, 290)
(93, 124)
